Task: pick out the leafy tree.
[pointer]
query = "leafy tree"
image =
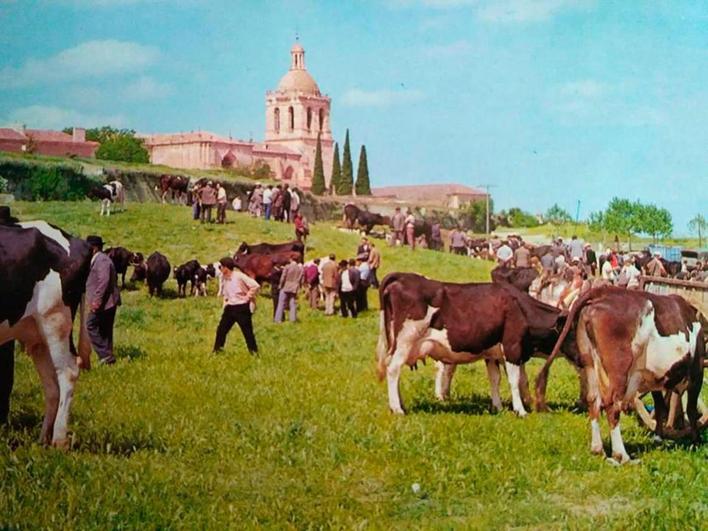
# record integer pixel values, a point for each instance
(596, 221)
(623, 217)
(318, 181)
(475, 216)
(347, 179)
(363, 187)
(519, 218)
(117, 144)
(700, 225)
(655, 221)
(334, 182)
(558, 215)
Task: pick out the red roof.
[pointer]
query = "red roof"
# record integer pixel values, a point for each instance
(44, 135)
(427, 192)
(11, 134)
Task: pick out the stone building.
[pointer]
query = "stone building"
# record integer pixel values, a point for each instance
(46, 142)
(296, 113)
(452, 196)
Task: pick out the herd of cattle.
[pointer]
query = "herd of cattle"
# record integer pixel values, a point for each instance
(622, 343)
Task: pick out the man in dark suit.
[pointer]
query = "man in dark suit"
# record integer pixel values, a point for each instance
(103, 299)
(7, 350)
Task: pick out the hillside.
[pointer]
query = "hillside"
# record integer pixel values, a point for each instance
(301, 437)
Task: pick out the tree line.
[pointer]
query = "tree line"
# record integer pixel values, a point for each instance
(342, 181)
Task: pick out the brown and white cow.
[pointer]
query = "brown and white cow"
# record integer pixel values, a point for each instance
(629, 343)
(43, 275)
(459, 323)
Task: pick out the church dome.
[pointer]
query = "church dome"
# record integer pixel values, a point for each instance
(298, 81)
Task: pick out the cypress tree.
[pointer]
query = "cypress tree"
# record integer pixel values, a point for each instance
(347, 180)
(334, 182)
(363, 187)
(318, 180)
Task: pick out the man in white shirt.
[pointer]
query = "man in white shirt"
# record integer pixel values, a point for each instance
(268, 201)
(239, 292)
(504, 254)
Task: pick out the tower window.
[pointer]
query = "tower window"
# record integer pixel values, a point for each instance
(309, 119)
(321, 119)
(291, 118)
(276, 120)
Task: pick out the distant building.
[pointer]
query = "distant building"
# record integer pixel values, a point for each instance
(45, 142)
(445, 195)
(296, 112)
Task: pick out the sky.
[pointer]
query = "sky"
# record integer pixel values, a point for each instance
(548, 101)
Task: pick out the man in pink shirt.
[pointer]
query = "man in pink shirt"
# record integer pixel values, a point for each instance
(239, 293)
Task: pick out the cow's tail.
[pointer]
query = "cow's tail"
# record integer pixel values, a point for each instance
(386, 342)
(84, 341)
(542, 377)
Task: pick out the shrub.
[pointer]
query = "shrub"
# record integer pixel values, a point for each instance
(32, 181)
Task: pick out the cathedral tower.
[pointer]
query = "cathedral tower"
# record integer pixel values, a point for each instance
(296, 112)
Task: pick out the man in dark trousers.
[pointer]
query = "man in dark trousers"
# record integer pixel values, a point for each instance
(103, 299)
(7, 350)
(239, 293)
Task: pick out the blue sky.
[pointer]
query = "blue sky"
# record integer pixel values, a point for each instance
(549, 100)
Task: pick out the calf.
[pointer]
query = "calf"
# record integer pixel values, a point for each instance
(44, 272)
(189, 272)
(628, 343)
(122, 258)
(174, 184)
(155, 271)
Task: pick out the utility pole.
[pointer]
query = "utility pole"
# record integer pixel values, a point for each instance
(487, 187)
(577, 213)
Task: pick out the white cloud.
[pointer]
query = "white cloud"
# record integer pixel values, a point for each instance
(502, 11)
(147, 88)
(91, 59)
(453, 49)
(48, 117)
(592, 102)
(509, 11)
(380, 98)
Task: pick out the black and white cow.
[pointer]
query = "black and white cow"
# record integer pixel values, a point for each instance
(108, 194)
(43, 273)
(193, 273)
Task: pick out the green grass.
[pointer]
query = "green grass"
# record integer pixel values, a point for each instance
(301, 437)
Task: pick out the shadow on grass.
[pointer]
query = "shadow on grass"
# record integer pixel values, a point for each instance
(474, 405)
(117, 444)
(129, 352)
(168, 293)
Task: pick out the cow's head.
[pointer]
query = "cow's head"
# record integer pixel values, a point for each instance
(242, 249)
(139, 272)
(136, 258)
(211, 270)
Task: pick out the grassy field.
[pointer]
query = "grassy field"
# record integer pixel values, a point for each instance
(300, 437)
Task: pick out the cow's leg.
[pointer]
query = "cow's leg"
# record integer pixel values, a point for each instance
(393, 376)
(694, 391)
(443, 379)
(524, 388)
(494, 375)
(48, 377)
(56, 328)
(593, 402)
(619, 453)
(660, 413)
(583, 384)
(513, 373)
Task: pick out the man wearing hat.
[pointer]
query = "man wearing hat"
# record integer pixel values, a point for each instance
(7, 350)
(103, 298)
